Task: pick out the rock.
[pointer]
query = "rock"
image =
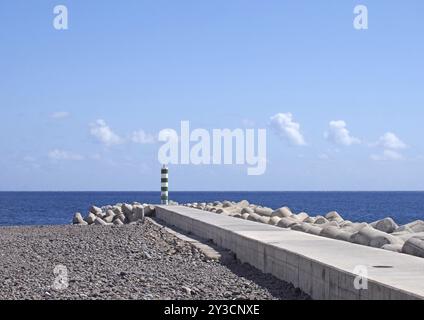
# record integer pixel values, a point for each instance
(264, 219)
(309, 220)
(91, 218)
(100, 222)
(287, 222)
(138, 213)
(217, 203)
(331, 232)
(243, 204)
(320, 220)
(328, 224)
(302, 216)
(312, 229)
(344, 235)
(406, 235)
(109, 213)
(78, 219)
(274, 221)
(227, 204)
(334, 216)
(415, 226)
(414, 246)
(393, 247)
(354, 227)
(254, 217)
(108, 219)
(149, 211)
(96, 211)
(369, 236)
(247, 210)
(117, 210)
(118, 222)
(221, 211)
(283, 212)
(127, 210)
(264, 211)
(121, 217)
(386, 225)
(237, 215)
(299, 227)
(245, 215)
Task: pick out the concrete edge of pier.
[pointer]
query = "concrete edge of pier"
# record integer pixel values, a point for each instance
(321, 267)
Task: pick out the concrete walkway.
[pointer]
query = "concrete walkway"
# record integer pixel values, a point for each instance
(321, 267)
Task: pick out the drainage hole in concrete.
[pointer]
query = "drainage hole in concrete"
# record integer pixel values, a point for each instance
(383, 267)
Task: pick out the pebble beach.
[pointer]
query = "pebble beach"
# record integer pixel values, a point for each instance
(140, 260)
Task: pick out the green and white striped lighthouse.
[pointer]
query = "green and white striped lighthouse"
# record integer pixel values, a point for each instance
(164, 185)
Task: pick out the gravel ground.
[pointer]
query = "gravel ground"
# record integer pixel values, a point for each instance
(140, 261)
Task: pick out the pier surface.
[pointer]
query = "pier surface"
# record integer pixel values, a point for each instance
(321, 267)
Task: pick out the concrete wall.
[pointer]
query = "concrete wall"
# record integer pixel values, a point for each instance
(319, 266)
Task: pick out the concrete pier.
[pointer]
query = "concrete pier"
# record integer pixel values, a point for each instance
(321, 267)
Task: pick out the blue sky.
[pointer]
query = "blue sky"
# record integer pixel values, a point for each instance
(142, 66)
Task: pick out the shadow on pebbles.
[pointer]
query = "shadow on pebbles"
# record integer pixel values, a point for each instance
(140, 261)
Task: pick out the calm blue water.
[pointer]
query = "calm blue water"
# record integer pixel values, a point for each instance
(35, 208)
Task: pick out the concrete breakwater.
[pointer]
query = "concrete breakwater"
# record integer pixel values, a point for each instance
(384, 234)
(118, 214)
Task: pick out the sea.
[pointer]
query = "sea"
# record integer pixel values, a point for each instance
(56, 208)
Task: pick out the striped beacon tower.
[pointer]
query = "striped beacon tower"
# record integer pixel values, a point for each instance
(164, 185)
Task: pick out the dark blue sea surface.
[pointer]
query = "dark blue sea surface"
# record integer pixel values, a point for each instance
(48, 208)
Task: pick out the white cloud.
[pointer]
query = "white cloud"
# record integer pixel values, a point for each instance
(142, 137)
(60, 115)
(284, 125)
(390, 141)
(58, 154)
(104, 133)
(387, 156)
(338, 134)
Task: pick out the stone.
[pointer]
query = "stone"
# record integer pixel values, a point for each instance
(118, 222)
(320, 220)
(299, 227)
(312, 229)
(283, 212)
(243, 204)
(127, 210)
(264, 219)
(78, 219)
(414, 246)
(117, 210)
(415, 226)
(274, 221)
(227, 204)
(386, 225)
(254, 217)
(334, 216)
(90, 218)
(369, 236)
(331, 232)
(245, 215)
(149, 211)
(247, 210)
(264, 211)
(237, 215)
(354, 227)
(138, 213)
(96, 210)
(287, 222)
(108, 219)
(405, 236)
(309, 220)
(302, 216)
(100, 222)
(393, 247)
